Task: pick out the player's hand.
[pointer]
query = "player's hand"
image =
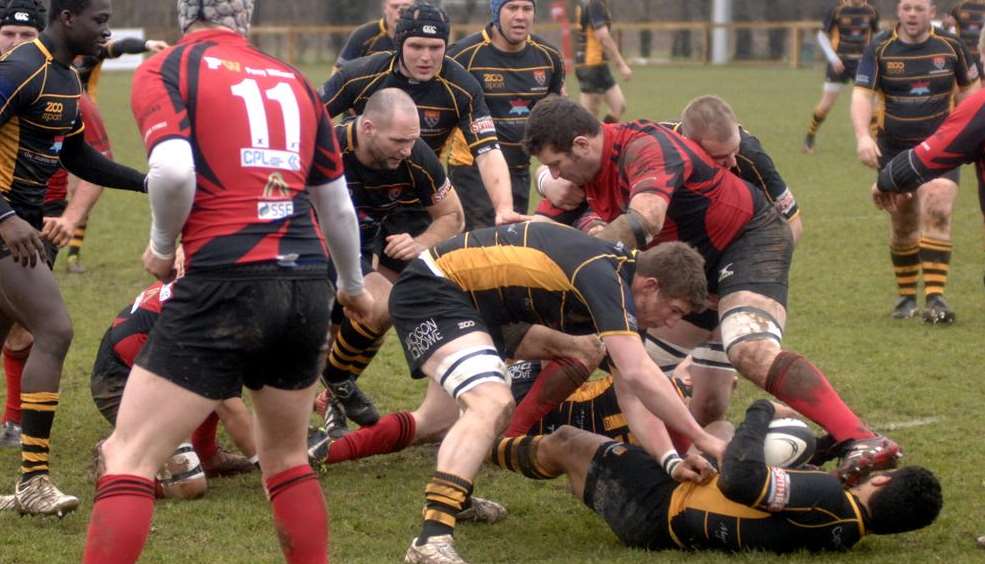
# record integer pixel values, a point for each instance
(868, 152)
(58, 230)
(783, 411)
(626, 72)
(596, 228)
(358, 307)
(507, 216)
(563, 194)
(889, 201)
(160, 268)
(402, 247)
(838, 66)
(156, 46)
(712, 446)
(23, 241)
(694, 469)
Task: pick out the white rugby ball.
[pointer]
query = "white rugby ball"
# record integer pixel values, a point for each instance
(790, 443)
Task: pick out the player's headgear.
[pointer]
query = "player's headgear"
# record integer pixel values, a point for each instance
(23, 12)
(234, 14)
(421, 20)
(496, 6)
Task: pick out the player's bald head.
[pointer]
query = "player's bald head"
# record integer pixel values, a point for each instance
(389, 106)
(709, 117)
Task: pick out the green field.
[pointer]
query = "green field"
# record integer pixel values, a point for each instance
(842, 289)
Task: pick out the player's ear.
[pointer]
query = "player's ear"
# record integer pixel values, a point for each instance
(880, 480)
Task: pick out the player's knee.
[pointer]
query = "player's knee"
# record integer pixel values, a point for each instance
(752, 358)
(495, 403)
(751, 337)
(55, 335)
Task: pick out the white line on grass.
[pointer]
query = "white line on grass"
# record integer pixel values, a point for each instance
(920, 422)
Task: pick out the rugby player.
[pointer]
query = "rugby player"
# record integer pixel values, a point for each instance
(375, 36)
(481, 281)
(447, 96)
(749, 506)
(42, 129)
(848, 27)
(83, 195)
(914, 70)
(651, 185)
(596, 47)
(240, 163)
(969, 21)
(516, 69)
(20, 21)
(389, 170)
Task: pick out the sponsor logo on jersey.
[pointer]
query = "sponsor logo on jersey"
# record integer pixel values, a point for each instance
(939, 62)
(271, 211)
(56, 147)
(540, 75)
(519, 107)
(432, 118)
(895, 67)
(493, 81)
(214, 63)
(276, 187)
(269, 158)
(483, 126)
(920, 88)
(53, 111)
(394, 193)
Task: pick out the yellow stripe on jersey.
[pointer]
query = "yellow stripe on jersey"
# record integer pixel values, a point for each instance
(487, 268)
(10, 140)
(594, 55)
(709, 498)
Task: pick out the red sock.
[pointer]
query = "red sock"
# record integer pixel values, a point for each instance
(203, 438)
(392, 433)
(13, 368)
(120, 521)
(299, 515)
(801, 385)
(535, 406)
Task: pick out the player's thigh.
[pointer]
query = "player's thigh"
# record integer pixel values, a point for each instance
(282, 423)
(155, 415)
(436, 414)
(30, 296)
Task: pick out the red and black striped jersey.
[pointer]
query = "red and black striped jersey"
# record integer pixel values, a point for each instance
(259, 135)
(708, 206)
(133, 324)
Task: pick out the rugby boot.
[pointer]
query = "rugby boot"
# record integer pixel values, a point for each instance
(318, 444)
(862, 457)
(905, 308)
(482, 510)
(358, 407)
(808, 147)
(8, 503)
(335, 420)
(438, 550)
(224, 463)
(38, 496)
(10, 435)
(937, 311)
(73, 265)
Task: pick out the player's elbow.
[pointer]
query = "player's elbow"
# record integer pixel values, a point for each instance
(741, 480)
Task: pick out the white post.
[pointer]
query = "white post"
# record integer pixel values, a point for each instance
(721, 13)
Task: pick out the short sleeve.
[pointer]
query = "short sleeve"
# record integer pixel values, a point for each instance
(158, 105)
(326, 162)
(430, 181)
(598, 14)
(475, 120)
(867, 75)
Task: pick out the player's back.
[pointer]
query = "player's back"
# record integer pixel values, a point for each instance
(257, 132)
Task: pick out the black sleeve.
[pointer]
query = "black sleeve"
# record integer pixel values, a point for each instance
(125, 46)
(744, 470)
(90, 165)
(353, 48)
(430, 182)
(756, 167)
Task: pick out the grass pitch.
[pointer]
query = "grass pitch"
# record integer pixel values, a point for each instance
(924, 382)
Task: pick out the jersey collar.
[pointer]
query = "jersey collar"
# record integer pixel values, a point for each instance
(217, 34)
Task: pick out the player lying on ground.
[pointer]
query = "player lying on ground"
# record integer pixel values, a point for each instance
(749, 506)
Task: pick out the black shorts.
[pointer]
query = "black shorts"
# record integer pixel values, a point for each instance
(845, 76)
(412, 220)
(759, 260)
(250, 326)
(429, 311)
(889, 150)
(595, 79)
(109, 377)
(471, 191)
(630, 490)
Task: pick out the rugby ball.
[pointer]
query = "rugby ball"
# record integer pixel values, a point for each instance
(182, 476)
(789, 443)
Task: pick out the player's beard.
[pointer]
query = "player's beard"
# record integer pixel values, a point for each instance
(382, 161)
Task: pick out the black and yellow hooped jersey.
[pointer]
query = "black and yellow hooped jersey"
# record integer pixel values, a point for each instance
(970, 19)
(542, 273)
(916, 82)
(39, 108)
(452, 99)
(513, 83)
(851, 28)
(419, 181)
(590, 16)
(817, 514)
